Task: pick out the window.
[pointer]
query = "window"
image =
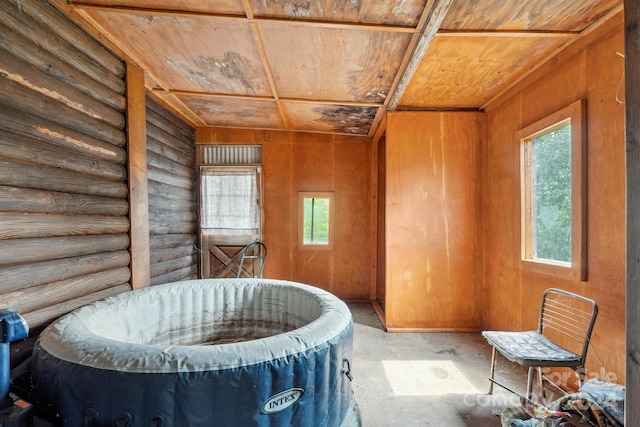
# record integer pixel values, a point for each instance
(230, 201)
(554, 193)
(315, 225)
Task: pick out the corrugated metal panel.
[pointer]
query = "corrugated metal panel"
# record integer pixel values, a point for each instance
(231, 155)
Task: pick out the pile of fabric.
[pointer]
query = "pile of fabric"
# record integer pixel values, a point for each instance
(597, 403)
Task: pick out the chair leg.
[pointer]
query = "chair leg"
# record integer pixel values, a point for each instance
(541, 384)
(530, 382)
(580, 372)
(493, 370)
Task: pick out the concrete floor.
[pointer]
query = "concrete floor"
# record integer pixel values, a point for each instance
(426, 379)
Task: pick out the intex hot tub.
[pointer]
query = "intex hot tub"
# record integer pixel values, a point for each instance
(200, 353)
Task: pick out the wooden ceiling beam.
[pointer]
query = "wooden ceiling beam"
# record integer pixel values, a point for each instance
(430, 21)
(150, 10)
(333, 102)
(219, 95)
(257, 37)
(270, 98)
(431, 27)
(506, 33)
(248, 9)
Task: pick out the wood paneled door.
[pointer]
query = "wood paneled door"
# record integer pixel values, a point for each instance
(230, 218)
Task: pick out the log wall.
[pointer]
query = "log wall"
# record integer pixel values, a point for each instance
(590, 69)
(63, 192)
(172, 194)
(293, 162)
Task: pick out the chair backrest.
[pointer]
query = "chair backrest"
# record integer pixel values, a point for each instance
(568, 317)
(259, 251)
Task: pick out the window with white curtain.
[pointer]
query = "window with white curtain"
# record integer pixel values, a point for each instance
(230, 201)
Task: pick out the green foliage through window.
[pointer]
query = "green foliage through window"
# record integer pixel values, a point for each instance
(316, 221)
(551, 195)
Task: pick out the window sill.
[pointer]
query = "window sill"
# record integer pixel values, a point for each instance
(563, 270)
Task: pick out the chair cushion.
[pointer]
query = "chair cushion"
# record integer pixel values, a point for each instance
(531, 349)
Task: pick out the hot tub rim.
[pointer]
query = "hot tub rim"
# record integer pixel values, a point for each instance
(69, 339)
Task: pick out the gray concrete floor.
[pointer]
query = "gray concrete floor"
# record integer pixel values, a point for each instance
(426, 379)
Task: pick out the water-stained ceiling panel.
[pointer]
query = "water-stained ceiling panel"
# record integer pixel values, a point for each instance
(330, 118)
(335, 66)
(532, 15)
(190, 52)
(387, 12)
(235, 111)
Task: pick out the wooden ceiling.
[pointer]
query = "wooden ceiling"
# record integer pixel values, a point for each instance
(335, 66)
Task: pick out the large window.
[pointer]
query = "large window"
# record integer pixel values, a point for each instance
(315, 225)
(553, 193)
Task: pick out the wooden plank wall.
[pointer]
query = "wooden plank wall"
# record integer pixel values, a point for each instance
(590, 69)
(433, 250)
(172, 194)
(63, 191)
(294, 162)
(381, 270)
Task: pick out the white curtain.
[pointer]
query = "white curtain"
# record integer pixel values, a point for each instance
(229, 203)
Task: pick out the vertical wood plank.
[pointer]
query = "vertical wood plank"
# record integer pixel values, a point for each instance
(373, 291)
(138, 188)
(632, 102)
(432, 244)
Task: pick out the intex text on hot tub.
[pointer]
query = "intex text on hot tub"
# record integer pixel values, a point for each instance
(200, 353)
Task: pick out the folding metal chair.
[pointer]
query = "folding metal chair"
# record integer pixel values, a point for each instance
(564, 317)
(259, 254)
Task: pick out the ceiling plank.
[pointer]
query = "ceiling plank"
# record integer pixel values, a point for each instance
(526, 15)
(438, 12)
(607, 19)
(388, 12)
(150, 79)
(92, 27)
(284, 21)
(465, 72)
(318, 63)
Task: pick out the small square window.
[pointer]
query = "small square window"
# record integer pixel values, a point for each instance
(315, 224)
(554, 193)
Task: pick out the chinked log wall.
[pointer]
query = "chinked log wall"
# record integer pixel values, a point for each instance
(172, 206)
(63, 193)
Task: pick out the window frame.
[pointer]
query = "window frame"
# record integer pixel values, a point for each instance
(575, 114)
(316, 195)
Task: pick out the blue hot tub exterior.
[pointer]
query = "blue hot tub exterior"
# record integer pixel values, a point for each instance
(306, 388)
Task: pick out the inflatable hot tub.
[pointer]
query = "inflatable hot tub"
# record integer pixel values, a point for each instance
(200, 353)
